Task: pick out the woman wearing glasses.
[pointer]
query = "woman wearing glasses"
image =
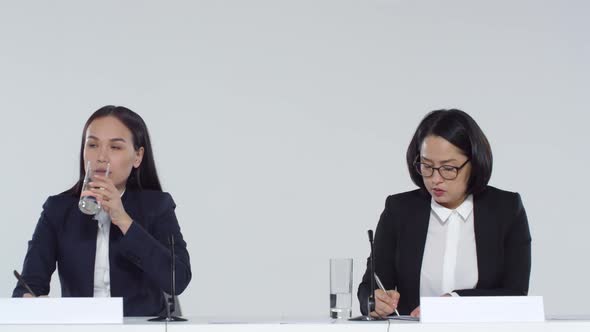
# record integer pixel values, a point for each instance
(455, 236)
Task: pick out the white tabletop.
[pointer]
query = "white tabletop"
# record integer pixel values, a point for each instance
(557, 324)
(325, 324)
(131, 324)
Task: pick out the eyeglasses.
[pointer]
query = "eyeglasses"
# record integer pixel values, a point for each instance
(447, 172)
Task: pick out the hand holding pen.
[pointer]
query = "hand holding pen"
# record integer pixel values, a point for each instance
(386, 301)
(23, 282)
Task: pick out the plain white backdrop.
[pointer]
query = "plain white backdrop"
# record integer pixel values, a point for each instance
(280, 127)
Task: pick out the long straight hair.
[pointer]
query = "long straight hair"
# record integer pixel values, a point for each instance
(145, 177)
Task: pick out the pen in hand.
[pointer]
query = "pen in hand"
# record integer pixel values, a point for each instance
(22, 282)
(380, 284)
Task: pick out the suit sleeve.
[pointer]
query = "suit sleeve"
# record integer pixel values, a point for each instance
(41, 256)
(514, 280)
(150, 250)
(385, 256)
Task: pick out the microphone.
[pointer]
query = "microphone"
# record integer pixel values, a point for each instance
(172, 274)
(170, 302)
(371, 299)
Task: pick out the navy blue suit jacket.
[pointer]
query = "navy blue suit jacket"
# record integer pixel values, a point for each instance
(139, 260)
(502, 240)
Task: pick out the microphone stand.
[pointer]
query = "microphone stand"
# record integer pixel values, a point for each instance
(170, 302)
(371, 298)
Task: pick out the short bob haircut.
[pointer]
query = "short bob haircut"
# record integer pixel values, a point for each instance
(145, 177)
(462, 131)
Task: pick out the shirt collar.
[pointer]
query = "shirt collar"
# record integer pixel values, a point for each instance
(443, 213)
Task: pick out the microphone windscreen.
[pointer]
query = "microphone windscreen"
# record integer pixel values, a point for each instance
(370, 232)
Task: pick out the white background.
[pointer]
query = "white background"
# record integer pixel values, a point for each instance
(280, 127)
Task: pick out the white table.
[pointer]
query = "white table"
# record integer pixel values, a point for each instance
(321, 324)
(303, 325)
(131, 324)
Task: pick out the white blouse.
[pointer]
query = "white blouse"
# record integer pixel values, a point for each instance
(102, 275)
(450, 257)
(102, 268)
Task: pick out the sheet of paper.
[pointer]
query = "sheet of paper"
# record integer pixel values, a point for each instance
(404, 318)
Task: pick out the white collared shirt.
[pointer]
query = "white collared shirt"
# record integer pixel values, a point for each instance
(102, 276)
(102, 269)
(450, 257)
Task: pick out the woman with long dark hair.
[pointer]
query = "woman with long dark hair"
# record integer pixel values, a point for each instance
(121, 251)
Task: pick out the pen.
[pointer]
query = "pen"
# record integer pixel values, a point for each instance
(380, 284)
(22, 281)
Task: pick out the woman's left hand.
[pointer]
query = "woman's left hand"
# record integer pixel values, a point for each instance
(105, 192)
(416, 312)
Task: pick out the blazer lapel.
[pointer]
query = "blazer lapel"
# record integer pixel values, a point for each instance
(486, 237)
(115, 235)
(118, 264)
(87, 251)
(413, 241)
(421, 229)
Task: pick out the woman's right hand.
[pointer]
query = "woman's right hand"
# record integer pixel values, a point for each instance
(385, 303)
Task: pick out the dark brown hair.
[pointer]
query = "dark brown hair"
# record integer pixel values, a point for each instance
(143, 177)
(461, 130)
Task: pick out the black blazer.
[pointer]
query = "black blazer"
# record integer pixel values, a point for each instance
(502, 239)
(139, 261)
